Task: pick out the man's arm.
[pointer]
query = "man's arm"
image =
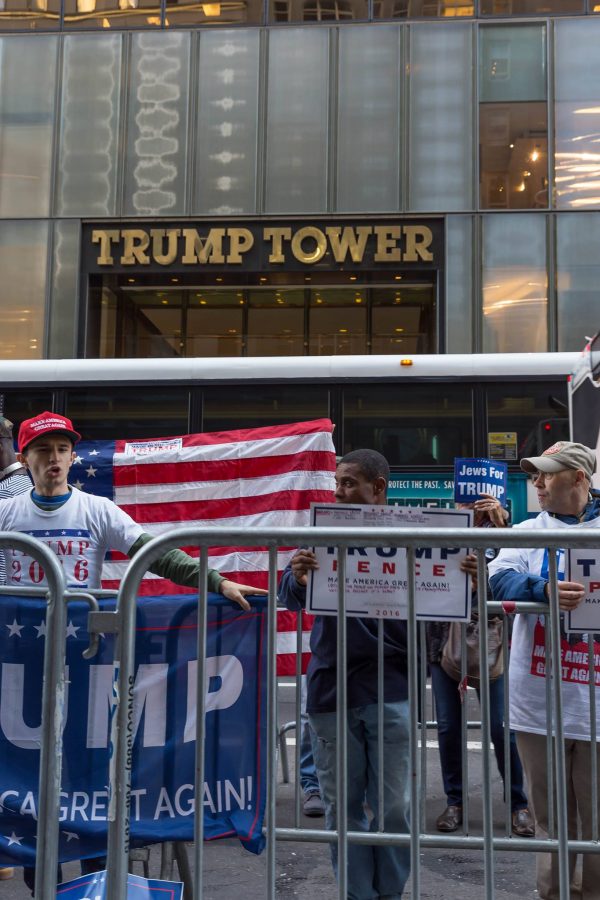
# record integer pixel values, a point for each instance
(183, 569)
(292, 587)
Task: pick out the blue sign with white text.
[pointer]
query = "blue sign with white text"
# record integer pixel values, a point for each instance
(92, 887)
(474, 477)
(163, 798)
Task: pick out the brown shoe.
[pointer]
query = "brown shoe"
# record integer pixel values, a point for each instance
(450, 819)
(522, 823)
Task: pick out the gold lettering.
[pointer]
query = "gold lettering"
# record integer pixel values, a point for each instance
(240, 241)
(277, 236)
(321, 244)
(105, 239)
(418, 239)
(387, 249)
(348, 241)
(157, 235)
(203, 250)
(135, 243)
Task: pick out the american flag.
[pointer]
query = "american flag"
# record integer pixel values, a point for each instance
(256, 477)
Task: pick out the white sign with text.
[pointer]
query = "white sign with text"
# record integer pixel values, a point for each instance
(376, 577)
(583, 566)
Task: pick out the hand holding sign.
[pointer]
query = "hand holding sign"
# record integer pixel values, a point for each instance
(480, 478)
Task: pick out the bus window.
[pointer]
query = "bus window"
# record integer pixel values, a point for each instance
(117, 413)
(24, 404)
(253, 405)
(537, 412)
(411, 424)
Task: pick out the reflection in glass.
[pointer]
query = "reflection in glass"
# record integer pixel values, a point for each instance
(368, 154)
(275, 323)
(163, 412)
(513, 117)
(537, 413)
(317, 10)
(459, 284)
(227, 122)
(112, 14)
(441, 118)
(577, 114)
(62, 324)
(30, 15)
(515, 289)
(336, 327)
(23, 263)
(296, 146)
(214, 323)
(91, 86)
(578, 277)
(157, 127)
(411, 424)
(223, 12)
(418, 9)
(27, 88)
(403, 319)
(530, 7)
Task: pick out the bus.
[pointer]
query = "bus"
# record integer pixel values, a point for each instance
(584, 399)
(420, 412)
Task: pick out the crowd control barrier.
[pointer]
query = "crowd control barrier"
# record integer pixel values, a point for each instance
(53, 699)
(122, 622)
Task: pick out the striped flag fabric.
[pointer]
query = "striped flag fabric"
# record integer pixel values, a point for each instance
(252, 478)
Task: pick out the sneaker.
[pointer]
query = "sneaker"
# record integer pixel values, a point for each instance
(5, 874)
(313, 805)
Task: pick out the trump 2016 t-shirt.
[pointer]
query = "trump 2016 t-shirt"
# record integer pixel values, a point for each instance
(79, 533)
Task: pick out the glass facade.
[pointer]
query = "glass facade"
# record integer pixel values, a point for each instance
(370, 109)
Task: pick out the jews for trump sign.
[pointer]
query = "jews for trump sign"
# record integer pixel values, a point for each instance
(163, 797)
(474, 477)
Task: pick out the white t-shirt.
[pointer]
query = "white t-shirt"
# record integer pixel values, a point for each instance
(527, 679)
(79, 533)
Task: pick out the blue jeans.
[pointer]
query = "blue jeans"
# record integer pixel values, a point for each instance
(309, 781)
(373, 871)
(448, 709)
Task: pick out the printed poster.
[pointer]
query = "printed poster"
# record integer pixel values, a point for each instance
(376, 577)
(584, 567)
(92, 887)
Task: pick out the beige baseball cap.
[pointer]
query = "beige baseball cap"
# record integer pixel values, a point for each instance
(562, 455)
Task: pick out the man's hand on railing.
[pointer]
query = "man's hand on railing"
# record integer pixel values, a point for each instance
(469, 566)
(237, 592)
(570, 594)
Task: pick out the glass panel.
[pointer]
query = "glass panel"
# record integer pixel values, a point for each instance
(62, 323)
(27, 82)
(513, 117)
(251, 406)
(368, 165)
(411, 424)
(155, 164)
(530, 7)
(577, 114)
(30, 15)
(132, 412)
(537, 412)
(317, 10)
(215, 323)
(296, 149)
(112, 13)
(87, 168)
(407, 9)
(23, 404)
(578, 276)
(227, 123)
(23, 263)
(459, 284)
(512, 63)
(441, 121)
(337, 322)
(515, 286)
(223, 12)
(276, 323)
(403, 319)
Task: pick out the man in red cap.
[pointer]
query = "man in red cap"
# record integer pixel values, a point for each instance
(562, 477)
(81, 528)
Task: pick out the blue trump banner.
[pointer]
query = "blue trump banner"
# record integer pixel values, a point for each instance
(473, 477)
(162, 797)
(92, 887)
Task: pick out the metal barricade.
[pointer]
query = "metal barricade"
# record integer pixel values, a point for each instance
(122, 622)
(53, 700)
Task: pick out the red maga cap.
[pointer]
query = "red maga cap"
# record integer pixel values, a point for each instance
(45, 423)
